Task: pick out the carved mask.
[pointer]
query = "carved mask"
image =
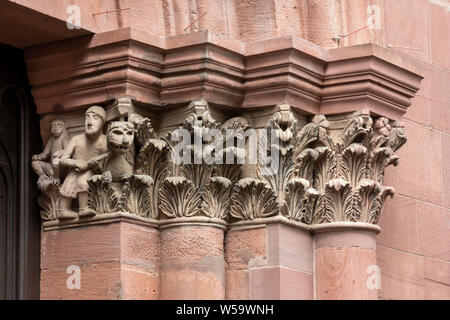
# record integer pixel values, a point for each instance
(93, 123)
(120, 136)
(57, 127)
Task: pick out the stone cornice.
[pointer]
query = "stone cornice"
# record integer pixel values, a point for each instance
(203, 65)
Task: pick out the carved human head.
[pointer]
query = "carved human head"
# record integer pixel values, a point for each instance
(94, 120)
(120, 136)
(58, 126)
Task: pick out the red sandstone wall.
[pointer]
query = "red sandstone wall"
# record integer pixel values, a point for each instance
(414, 244)
(247, 20)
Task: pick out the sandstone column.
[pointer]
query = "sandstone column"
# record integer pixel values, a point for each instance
(269, 246)
(194, 206)
(269, 258)
(113, 257)
(345, 262)
(192, 260)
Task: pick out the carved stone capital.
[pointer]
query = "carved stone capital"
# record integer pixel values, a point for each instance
(327, 170)
(352, 153)
(198, 188)
(284, 177)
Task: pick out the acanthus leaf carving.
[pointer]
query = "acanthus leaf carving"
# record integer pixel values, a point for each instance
(103, 197)
(136, 195)
(252, 199)
(350, 169)
(48, 202)
(202, 189)
(328, 170)
(332, 204)
(373, 195)
(179, 198)
(144, 130)
(233, 148)
(305, 156)
(153, 161)
(216, 198)
(286, 170)
(300, 199)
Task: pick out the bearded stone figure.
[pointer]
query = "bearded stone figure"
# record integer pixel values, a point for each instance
(83, 157)
(120, 161)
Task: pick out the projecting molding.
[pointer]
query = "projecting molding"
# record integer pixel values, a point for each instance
(203, 65)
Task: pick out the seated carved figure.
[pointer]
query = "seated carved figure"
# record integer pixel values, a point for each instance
(83, 156)
(46, 164)
(120, 137)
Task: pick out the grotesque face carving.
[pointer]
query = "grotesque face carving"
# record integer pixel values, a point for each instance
(93, 123)
(120, 136)
(57, 128)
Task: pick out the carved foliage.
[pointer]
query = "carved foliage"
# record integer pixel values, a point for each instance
(103, 196)
(233, 132)
(137, 195)
(253, 198)
(200, 189)
(49, 202)
(132, 194)
(153, 161)
(216, 198)
(179, 198)
(283, 177)
(300, 200)
(349, 170)
(319, 173)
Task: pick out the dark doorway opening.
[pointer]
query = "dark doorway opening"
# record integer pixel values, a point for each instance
(19, 215)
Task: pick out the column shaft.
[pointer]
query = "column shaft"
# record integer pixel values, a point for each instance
(118, 260)
(345, 265)
(271, 261)
(192, 262)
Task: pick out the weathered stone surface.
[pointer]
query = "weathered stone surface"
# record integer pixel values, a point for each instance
(265, 260)
(439, 35)
(341, 273)
(243, 249)
(437, 279)
(402, 274)
(192, 263)
(289, 247)
(446, 170)
(116, 260)
(275, 283)
(433, 225)
(399, 224)
(409, 176)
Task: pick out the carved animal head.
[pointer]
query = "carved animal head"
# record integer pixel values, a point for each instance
(120, 136)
